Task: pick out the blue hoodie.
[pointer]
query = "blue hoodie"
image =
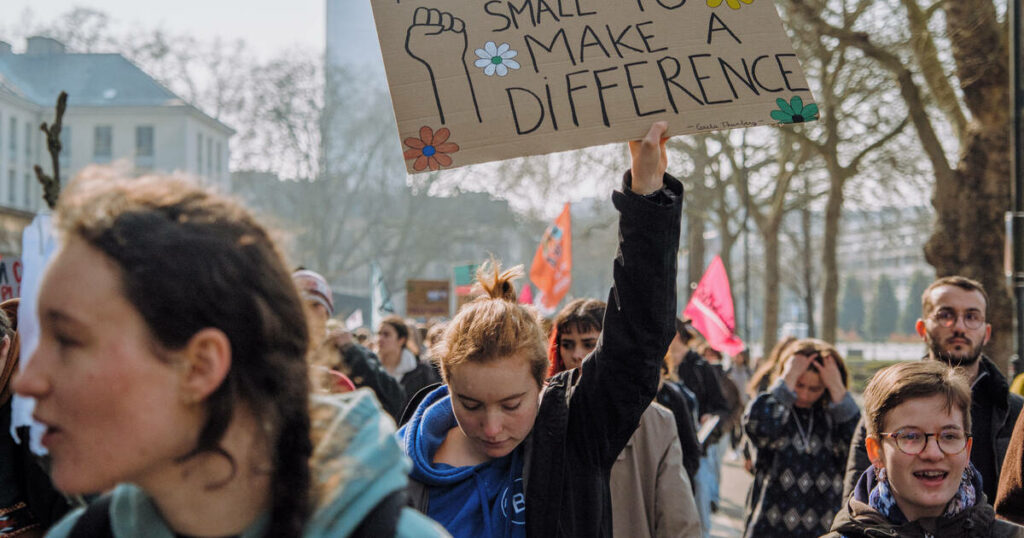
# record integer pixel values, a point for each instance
(481, 500)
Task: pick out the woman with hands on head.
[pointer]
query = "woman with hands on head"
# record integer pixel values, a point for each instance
(496, 451)
(800, 429)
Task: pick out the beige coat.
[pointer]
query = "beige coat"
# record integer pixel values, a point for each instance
(651, 494)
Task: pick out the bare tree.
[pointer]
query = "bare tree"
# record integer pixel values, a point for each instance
(971, 196)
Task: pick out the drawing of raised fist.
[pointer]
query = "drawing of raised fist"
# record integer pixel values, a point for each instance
(437, 39)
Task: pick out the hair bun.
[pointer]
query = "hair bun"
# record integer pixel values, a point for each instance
(498, 284)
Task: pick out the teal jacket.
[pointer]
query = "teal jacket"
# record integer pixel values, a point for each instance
(356, 462)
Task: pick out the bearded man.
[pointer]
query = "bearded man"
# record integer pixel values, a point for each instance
(953, 327)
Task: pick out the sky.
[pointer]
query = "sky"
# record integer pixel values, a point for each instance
(266, 25)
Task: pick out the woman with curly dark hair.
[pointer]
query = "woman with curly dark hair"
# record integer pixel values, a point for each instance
(171, 369)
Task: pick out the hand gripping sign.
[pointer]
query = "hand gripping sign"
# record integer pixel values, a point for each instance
(482, 80)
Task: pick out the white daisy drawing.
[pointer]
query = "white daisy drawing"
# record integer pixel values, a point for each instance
(494, 59)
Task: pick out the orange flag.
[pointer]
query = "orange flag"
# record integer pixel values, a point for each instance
(551, 270)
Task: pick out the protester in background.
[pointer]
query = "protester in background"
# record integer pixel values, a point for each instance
(954, 329)
(1009, 502)
(716, 442)
(739, 373)
(211, 430)
(699, 376)
(921, 481)
(339, 353)
(651, 491)
(466, 439)
(20, 476)
(401, 363)
(759, 383)
(434, 335)
(672, 395)
(801, 429)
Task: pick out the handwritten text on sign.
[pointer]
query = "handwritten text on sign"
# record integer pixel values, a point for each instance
(482, 80)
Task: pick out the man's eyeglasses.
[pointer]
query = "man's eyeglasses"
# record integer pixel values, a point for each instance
(912, 441)
(947, 318)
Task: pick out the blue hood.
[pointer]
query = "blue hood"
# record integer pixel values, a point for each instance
(480, 500)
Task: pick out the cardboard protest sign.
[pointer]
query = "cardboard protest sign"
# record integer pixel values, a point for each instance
(426, 298)
(495, 79)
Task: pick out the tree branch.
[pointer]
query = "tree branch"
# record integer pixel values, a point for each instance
(51, 185)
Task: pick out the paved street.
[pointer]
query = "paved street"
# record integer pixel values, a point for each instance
(728, 522)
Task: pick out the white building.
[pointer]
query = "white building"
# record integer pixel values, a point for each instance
(115, 111)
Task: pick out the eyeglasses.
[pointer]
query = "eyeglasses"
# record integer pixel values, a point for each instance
(947, 318)
(912, 441)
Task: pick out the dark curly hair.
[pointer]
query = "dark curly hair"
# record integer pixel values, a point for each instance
(190, 259)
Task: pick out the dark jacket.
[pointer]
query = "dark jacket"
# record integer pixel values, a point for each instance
(412, 382)
(699, 376)
(671, 396)
(1010, 497)
(990, 386)
(365, 370)
(857, 519)
(588, 414)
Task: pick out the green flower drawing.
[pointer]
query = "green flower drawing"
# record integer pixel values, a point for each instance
(794, 111)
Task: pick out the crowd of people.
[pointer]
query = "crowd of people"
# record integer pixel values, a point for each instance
(220, 397)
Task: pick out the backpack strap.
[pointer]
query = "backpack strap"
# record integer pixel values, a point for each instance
(382, 521)
(95, 521)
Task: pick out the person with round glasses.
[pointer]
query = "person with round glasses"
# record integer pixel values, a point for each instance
(921, 481)
(954, 330)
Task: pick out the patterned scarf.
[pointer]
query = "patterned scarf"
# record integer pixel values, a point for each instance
(882, 500)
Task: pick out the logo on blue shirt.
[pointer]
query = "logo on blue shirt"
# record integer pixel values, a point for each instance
(513, 503)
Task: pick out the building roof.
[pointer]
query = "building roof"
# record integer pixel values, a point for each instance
(89, 79)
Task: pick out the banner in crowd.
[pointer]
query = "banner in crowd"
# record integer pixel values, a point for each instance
(380, 298)
(463, 277)
(10, 278)
(426, 298)
(710, 310)
(494, 79)
(551, 270)
(354, 320)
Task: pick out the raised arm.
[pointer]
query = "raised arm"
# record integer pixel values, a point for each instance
(620, 379)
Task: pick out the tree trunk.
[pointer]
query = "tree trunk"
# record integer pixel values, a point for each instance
(808, 276)
(770, 235)
(970, 234)
(830, 294)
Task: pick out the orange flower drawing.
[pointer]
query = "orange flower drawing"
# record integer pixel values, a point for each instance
(430, 149)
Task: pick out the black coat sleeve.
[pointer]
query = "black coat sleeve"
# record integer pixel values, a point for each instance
(857, 461)
(366, 371)
(620, 378)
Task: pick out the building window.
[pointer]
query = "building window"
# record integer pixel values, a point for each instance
(10, 186)
(28, 143)
(220, 159)
(199, 153)
(209, 157)
(102, 143)
(12, 139)
(144, 146)
(27, 191)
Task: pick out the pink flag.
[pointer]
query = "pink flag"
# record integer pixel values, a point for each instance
(526, 294)
(710, 310)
